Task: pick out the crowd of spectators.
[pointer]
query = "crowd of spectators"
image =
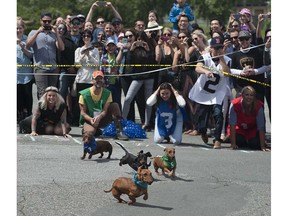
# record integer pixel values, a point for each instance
(209, 70)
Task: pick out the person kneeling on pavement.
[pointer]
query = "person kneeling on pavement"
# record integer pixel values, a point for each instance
(97, 109)
(50, 116)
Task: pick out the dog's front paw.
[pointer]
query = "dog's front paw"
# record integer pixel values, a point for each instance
(82, 158)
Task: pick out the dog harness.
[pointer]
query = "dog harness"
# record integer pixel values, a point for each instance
(139, 183)
(170, 163)
(90, 147)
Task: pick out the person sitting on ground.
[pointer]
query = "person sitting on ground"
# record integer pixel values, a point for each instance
(49, 117)
(97, 109)
(247, 121)
(169, 118)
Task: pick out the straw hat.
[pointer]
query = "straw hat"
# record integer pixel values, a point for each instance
(153, 26)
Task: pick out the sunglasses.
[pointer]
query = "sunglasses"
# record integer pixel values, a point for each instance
(244, 38)
(61, 29)
(167, 34)
(76, 23)
(236, 37)
(100, 22)
(46, 21)
(129, 36)
(181, 37)
(88, 36)
(193, 39)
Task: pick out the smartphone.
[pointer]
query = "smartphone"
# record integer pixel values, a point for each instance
(163, 38)
(103, 37)
(237, 16)
(47, 28)
(101, 3)
(125, 40)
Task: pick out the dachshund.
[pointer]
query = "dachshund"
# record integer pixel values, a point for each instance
(132, 160)
(167, 163)
(92, 147)
(134, 188)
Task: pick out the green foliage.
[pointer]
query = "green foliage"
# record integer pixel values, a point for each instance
(130, 10)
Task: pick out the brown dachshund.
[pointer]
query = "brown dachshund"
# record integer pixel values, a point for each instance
(92, 147)
(134, 188)
(167, 162)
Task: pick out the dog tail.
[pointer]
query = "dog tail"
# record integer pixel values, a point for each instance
(107, 191)
(121, 145)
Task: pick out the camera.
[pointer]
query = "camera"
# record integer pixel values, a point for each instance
(237, 16)
(153, 34)
(227, 37)
(189, 41)
(101, 3)
(139, 43)
(87, 49)
(47, 28)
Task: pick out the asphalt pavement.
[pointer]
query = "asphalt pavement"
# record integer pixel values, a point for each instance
(53, 180)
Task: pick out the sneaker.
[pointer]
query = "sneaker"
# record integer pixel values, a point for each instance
(204, 138)
(147, 128)
(167, 139)
(121, 136)
(217, 145)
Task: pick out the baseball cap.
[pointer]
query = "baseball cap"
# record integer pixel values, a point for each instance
(121, 35)
(81, 17)
(97, 73)
(245, 11)
(216, 42)
(75, 17)
(244, 33)
(109, 41)
(116, 20)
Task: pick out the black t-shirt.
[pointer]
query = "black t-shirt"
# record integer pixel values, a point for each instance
(253, 59)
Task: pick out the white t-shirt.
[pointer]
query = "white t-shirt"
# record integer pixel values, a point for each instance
(210, 91)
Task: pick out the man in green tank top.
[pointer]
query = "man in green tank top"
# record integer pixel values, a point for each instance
(97, 109)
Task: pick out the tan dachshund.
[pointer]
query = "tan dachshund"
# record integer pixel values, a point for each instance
(92, 147)
(167, 163)
(134, 188)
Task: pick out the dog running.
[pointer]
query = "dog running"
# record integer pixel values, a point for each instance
(92, 147)
(134, 188)
(132, 160)
(167, 163)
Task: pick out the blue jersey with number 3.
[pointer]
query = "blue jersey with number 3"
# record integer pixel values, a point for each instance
(166, 118)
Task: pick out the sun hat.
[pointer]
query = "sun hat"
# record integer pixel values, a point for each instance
(153, 26)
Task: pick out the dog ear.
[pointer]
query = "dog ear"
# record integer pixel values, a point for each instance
(148, 154)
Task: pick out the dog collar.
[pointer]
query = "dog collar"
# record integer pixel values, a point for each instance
(170, 163)
(139, 183)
